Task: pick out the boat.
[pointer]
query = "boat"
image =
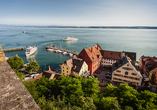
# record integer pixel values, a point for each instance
(64, 53)
(70, 39)
(70, 54)
(24, 31)
(51, 50)
(30, 50)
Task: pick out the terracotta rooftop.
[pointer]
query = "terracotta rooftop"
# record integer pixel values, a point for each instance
(36, 77)
(51, 74)
(111, 54)
(149, 62)
(94, 52)
(13, 94)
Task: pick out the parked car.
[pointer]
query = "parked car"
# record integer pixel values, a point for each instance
(108, 75)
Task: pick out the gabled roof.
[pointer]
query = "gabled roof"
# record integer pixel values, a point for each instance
(13, 94)
(111, 54)
(124, 61)
(77, 64)
(69, 63)
(50, 74)
(94, 52)
(35, 77)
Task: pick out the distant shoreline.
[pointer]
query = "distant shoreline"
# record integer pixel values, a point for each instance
(97, 27)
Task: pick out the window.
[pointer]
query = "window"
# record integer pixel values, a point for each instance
(67, 71)
(104, 61)
(118, 71)
(63, 73)
(83, 55)
(67, 68)
(63, 70)
(126, 68)
(63, 66)
(133, 73)
(126, 73)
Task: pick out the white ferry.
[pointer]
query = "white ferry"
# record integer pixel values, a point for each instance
(30, 50)
(70, 39)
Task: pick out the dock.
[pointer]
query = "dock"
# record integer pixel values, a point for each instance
(53, 48)
(13, 49)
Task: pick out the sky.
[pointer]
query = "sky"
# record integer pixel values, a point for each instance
(79, 12)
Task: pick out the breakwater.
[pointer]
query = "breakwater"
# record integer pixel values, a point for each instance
(13, 49)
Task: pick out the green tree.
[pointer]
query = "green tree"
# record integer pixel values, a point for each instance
(31, 87)
(32, 66)
(86, 103)
(42, 86)
(110, 90)
(147, 100)
(15, 62)
(127, 96)
(153, 79)
(19, 74)
(90, 86)
(110, 103)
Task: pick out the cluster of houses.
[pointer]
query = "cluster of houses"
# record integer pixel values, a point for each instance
(123, 64)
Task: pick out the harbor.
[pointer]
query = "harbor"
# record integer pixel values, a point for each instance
(63, 51)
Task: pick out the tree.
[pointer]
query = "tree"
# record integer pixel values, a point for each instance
(19, 74)
(15, 62)
(147, 100)
(32, 66)
(86, 103)
(110, 103)
(127, 96)
(153, 79)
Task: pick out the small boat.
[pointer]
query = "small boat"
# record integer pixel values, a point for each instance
(30, 50)
(70, 54)
(51, 50)
(64, 53)
(70, 39)
(57, 51)
(24, 31)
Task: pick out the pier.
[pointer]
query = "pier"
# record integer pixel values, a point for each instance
(13, 49)
(53, 48)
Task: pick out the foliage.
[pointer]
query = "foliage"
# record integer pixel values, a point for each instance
(19, 74)
(110, 103)
(15, 62)
(153, 79)
(32, 66)
(137, 62)
(148, 100)
(78, 93)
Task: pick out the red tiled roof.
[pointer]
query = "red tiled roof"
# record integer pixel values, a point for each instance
(94, 52)
(111, 54)
(49, 73)
(36, 77)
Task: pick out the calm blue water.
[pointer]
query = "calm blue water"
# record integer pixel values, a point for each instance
(141, 41)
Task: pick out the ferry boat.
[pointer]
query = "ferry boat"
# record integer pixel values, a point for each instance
(70, 39)
(30, 50)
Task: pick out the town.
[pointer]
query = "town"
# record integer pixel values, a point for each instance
(108, 66)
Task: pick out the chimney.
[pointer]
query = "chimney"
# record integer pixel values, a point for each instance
(49, 69)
